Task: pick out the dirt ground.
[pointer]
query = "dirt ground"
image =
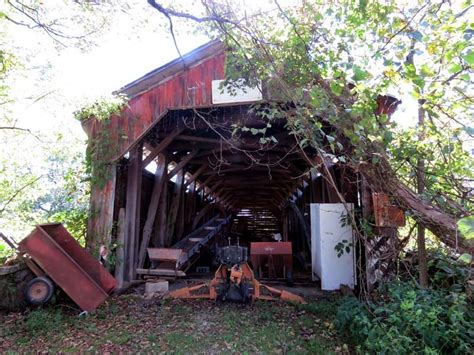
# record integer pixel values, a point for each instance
(130, 323)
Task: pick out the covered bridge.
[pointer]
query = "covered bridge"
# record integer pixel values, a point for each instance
(187, 156)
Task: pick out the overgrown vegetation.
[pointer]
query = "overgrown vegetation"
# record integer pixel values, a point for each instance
(5, 253)
(405, 319)
(103, 108)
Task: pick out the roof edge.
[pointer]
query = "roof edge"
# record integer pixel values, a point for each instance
(156, 76)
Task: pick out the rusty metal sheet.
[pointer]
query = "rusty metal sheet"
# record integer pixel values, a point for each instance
(84, 259)
(386, 214)
(270, 248)
(52, 256)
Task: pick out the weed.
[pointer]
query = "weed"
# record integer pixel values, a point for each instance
(321, 308)
(42, 321)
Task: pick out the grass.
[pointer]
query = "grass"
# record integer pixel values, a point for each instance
(127, 324)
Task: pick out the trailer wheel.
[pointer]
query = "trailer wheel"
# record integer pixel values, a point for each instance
(39, 290)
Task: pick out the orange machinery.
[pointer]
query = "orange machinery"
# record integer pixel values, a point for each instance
(234, 281)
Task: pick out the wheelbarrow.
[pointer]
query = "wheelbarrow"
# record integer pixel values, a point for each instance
(55, 257)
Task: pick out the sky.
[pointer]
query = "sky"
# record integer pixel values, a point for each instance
(137, 42)
(77, 77)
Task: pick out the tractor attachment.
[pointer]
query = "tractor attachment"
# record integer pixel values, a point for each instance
(234, 281)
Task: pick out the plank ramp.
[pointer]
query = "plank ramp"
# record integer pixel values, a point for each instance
(181, 256)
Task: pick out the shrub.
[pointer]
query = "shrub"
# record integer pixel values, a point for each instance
(409, 320)
(449, 272)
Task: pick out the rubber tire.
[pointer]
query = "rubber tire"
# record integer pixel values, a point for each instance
(289, 279)
(46, 281)
(245, 291)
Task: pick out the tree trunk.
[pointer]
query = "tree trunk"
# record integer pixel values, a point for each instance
(420, 177)
(382, 178)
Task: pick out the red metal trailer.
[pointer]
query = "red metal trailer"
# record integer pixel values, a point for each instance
(57, 254)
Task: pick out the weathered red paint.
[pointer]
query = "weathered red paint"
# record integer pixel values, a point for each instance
(73, 269)
(190, 88)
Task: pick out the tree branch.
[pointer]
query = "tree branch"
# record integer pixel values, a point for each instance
(17, 192)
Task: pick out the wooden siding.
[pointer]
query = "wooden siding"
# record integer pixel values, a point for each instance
(190, 88)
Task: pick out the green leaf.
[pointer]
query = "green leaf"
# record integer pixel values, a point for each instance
(466, 227)
(359, 73)
(469, 57)
(465, 258)
(336, 88)
(455, 68)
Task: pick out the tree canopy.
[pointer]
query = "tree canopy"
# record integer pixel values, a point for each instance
(332, 61)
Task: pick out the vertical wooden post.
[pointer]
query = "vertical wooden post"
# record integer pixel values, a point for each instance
(132, 213)
(99, 224)
(161, 217)
(173, 213)
(191, 203)
(120, 254)
(181, 214)
(160, 177)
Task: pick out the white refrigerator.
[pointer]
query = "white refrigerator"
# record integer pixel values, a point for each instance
(330, 227)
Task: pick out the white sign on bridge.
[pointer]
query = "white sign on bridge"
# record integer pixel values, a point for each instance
(234, 94)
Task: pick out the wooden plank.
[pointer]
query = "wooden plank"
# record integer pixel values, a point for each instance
(179, 227)
(132, 210)
(161, 272)
(173, 212)
(160, 180)
(164, 254)
(192, 202)
(99, 225)
(182, 163)
(120, 253)
(162, 146)
(159, 239)
(136, 243)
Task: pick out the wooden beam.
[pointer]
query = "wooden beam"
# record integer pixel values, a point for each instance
(213, 187)
(188, 138)
(132, 212)
(160, 177)
(191, 203)
(204, 184)
(195, 175)
(162, 146)
(161, 227)
(162, 272)
(120, 253)
(248, 169)
(182, 163)
(175, 201)
(206, 209)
